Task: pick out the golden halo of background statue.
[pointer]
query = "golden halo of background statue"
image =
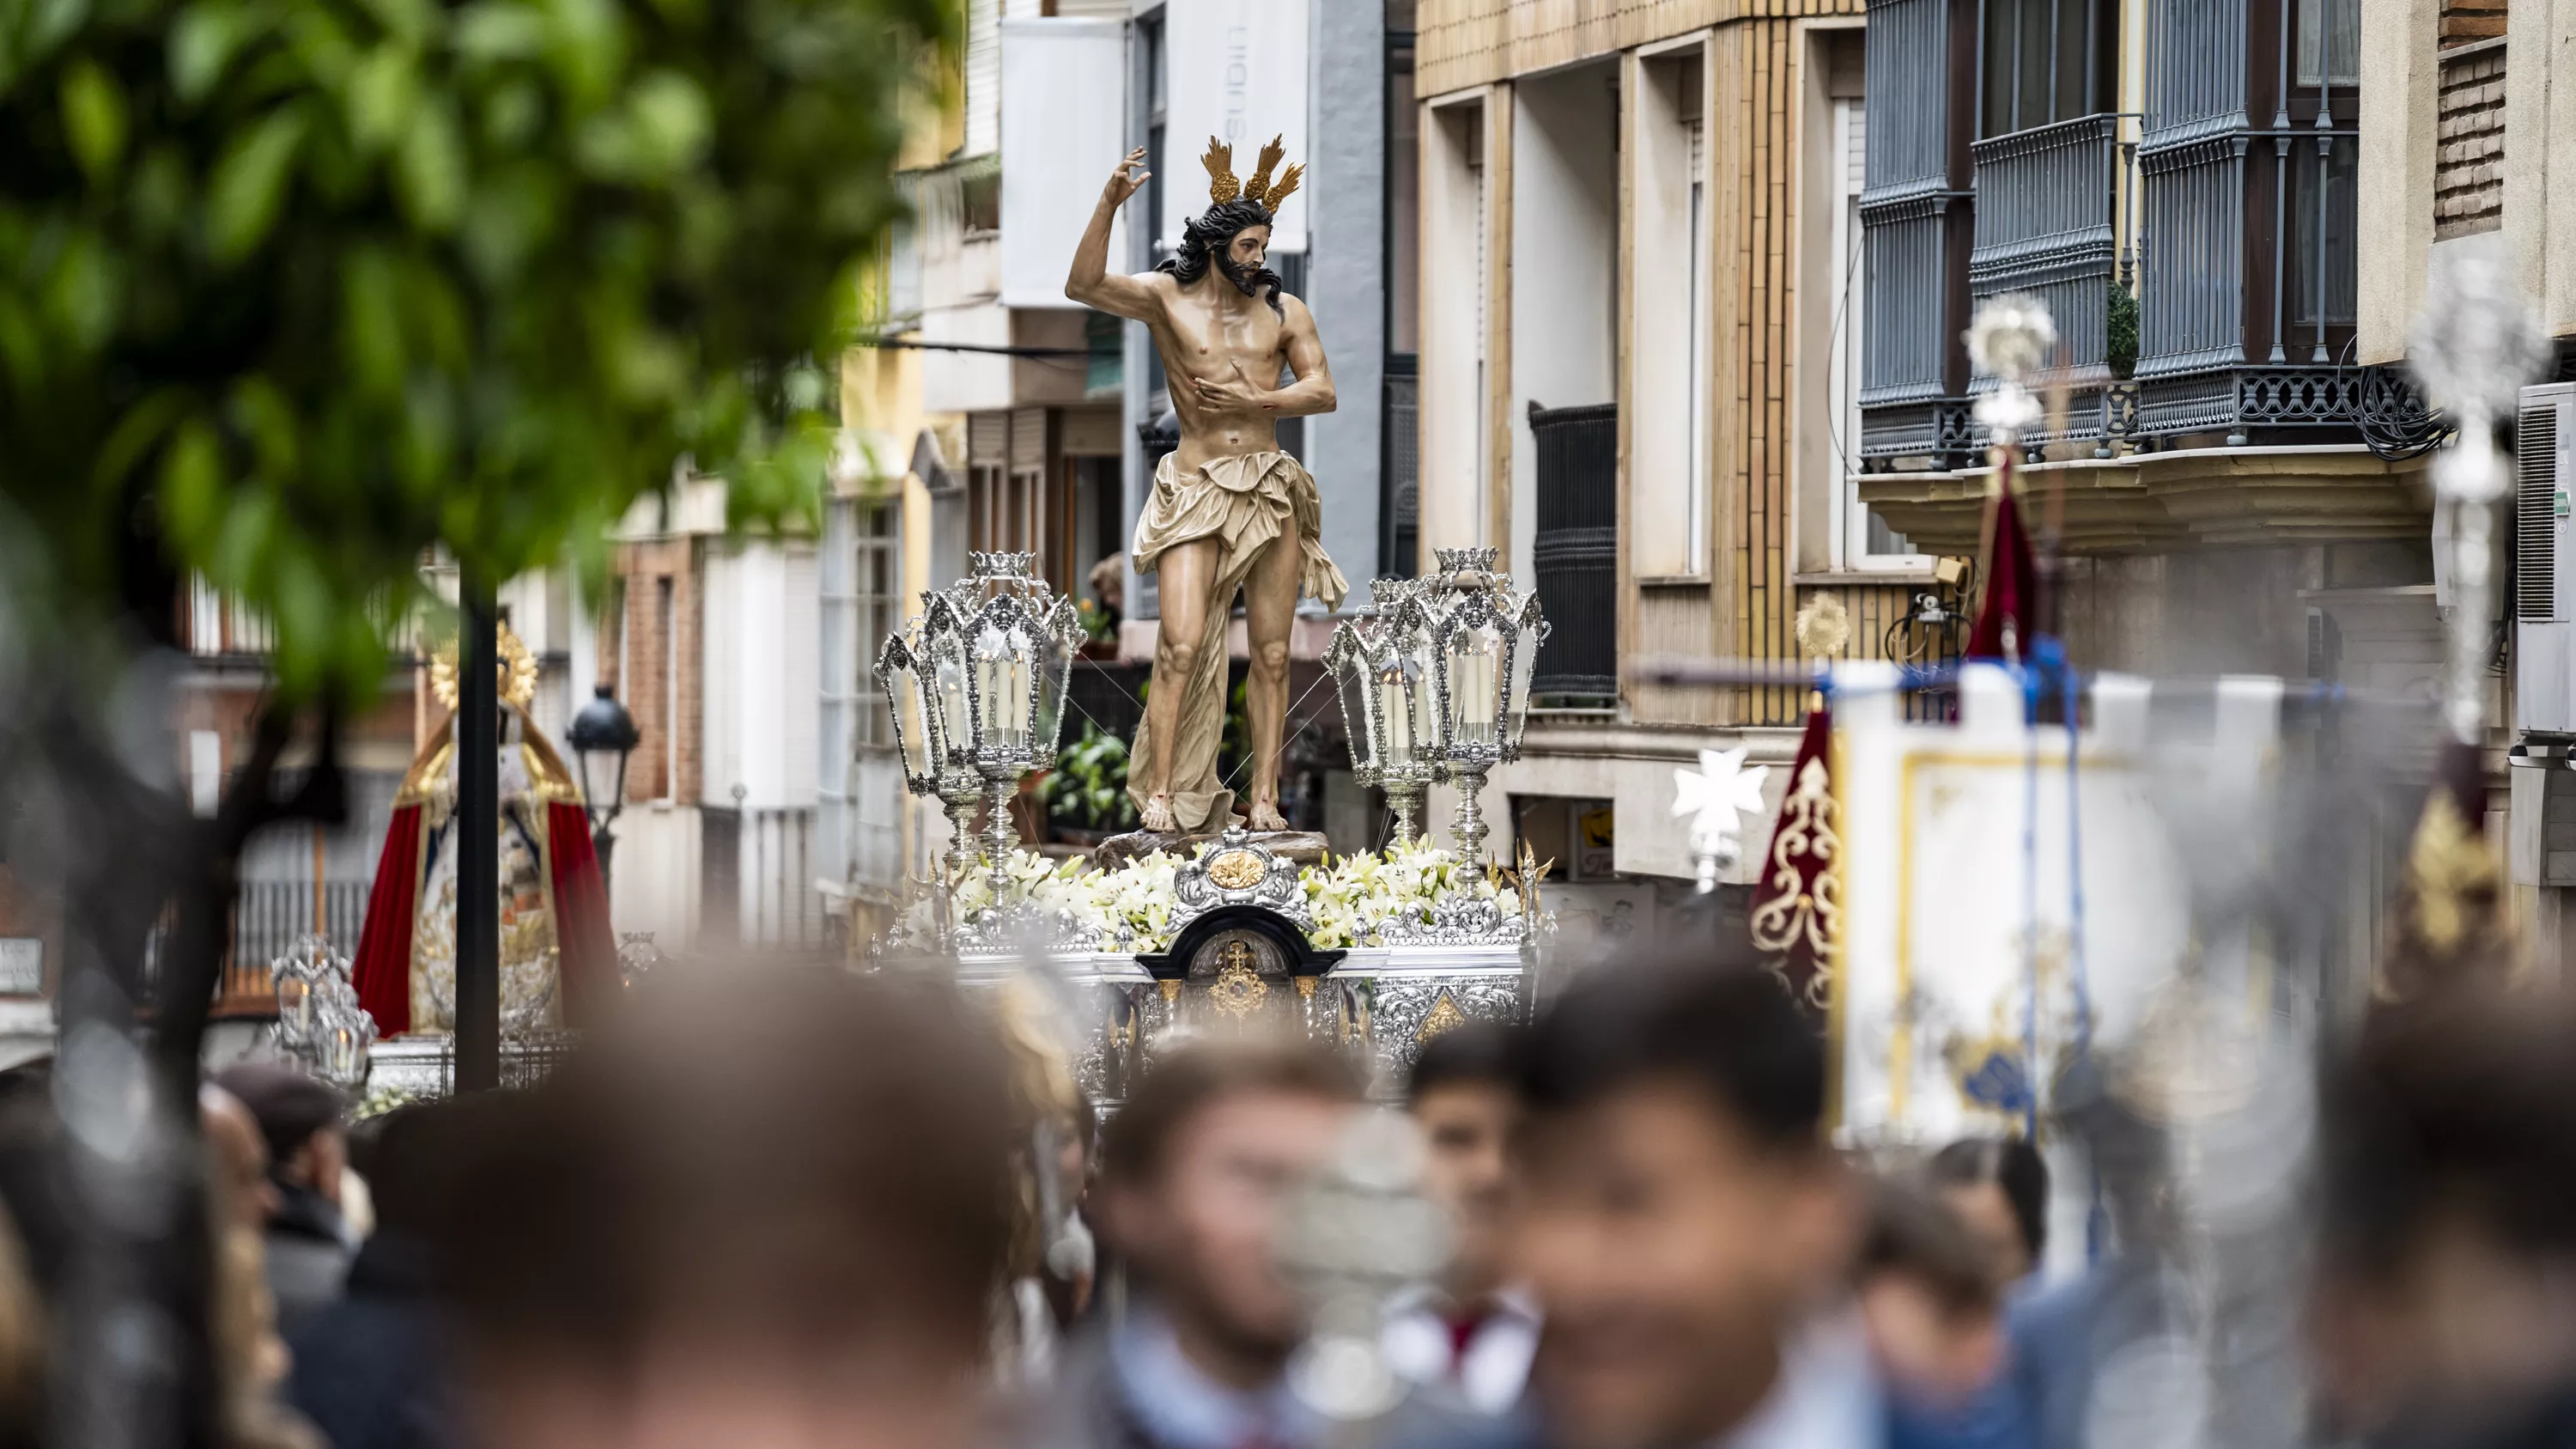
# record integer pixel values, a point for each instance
(1229, 510)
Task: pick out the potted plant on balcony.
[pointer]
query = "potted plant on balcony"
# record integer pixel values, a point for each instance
(2120, 346)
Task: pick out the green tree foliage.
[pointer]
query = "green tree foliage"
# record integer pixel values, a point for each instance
(292, 289)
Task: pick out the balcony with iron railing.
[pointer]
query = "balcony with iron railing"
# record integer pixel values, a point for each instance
(219, 627)
(2248, 243)
(2048, 225)
(2217, 226)
(1915, 229)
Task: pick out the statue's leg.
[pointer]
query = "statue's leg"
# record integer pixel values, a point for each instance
(1270, 610)
(1188, 573)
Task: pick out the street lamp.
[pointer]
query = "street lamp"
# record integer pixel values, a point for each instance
(602, 735)
(1385, 702)
(984, 668)
(1484, 640)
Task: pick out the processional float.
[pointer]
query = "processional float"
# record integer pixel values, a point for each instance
(1230, 931)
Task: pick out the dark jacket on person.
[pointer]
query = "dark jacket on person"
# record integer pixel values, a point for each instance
(308, 1252)
(371, 1370)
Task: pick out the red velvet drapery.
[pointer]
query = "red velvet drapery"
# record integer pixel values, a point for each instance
(383, 967)
(582, 934)
(2011, 584)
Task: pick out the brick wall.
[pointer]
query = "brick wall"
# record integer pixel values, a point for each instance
(2464, 21)
(2468, 166)
(649, 656)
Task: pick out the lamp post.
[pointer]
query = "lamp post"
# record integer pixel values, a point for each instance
(602, 735)
(1483, 647)
(983, 670)
(1385, 703)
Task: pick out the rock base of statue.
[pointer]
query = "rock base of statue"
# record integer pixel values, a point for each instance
(1305, 847)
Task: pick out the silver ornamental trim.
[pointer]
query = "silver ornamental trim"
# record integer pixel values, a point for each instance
(1236, 870)
(1456, 921)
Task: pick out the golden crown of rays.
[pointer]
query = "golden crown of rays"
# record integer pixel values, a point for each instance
(518, 671)
(1222, 187)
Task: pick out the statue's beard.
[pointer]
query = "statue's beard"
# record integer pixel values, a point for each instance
(1247, 279)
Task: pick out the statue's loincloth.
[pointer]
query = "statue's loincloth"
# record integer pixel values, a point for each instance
(1248, 502)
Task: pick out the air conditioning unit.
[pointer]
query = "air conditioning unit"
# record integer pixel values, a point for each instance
(2544, 562)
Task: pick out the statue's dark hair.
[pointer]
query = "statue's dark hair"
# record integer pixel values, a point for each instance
(1208, 235)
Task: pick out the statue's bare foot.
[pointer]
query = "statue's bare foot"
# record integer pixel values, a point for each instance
(1157, 815)
(1265, 816)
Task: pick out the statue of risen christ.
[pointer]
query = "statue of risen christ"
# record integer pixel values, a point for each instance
(1230, 511)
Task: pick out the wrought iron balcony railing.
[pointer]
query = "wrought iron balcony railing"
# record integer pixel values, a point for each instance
(2225, 212)
(1915, 229)
(2047, 207)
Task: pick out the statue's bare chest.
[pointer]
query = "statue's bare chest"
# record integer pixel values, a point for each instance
(1205, 338)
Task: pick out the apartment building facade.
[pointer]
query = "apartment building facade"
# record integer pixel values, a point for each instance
(1692, 284)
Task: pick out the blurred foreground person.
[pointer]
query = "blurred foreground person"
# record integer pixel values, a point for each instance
(1685, 1227)
(1998, 1189)
(769, 1210)
(375, 1369)
(1472, 1335)
(1195, 1169)
(308, 1243)
(2065, 1336)
(1073, 1255)
(250, 1359)
(2445, 1311)
(1929, 1298)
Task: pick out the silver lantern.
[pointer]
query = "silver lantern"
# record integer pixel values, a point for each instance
(320, 1027)
(1484, 639)
(986, 664)
(937, 764)
(1386, 702)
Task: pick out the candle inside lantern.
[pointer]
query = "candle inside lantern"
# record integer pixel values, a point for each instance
(1003, 691)
(952, 701)
(1399, 717)
(1471, 686)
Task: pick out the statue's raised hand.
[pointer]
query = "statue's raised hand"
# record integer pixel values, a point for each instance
(1121, 185)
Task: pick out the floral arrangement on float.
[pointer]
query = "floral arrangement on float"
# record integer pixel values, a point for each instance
(1378, 898)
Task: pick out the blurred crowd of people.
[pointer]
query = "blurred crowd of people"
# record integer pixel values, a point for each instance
(806, 1209)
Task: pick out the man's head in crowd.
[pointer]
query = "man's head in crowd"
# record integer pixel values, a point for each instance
(1681, 1212)
(236, 1156)
(1467, 1105)
(2447, 1290)
(1998, 1187)
(299, 1119)
(772, 1209)
(1193, 1171)
(1928, 1298)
